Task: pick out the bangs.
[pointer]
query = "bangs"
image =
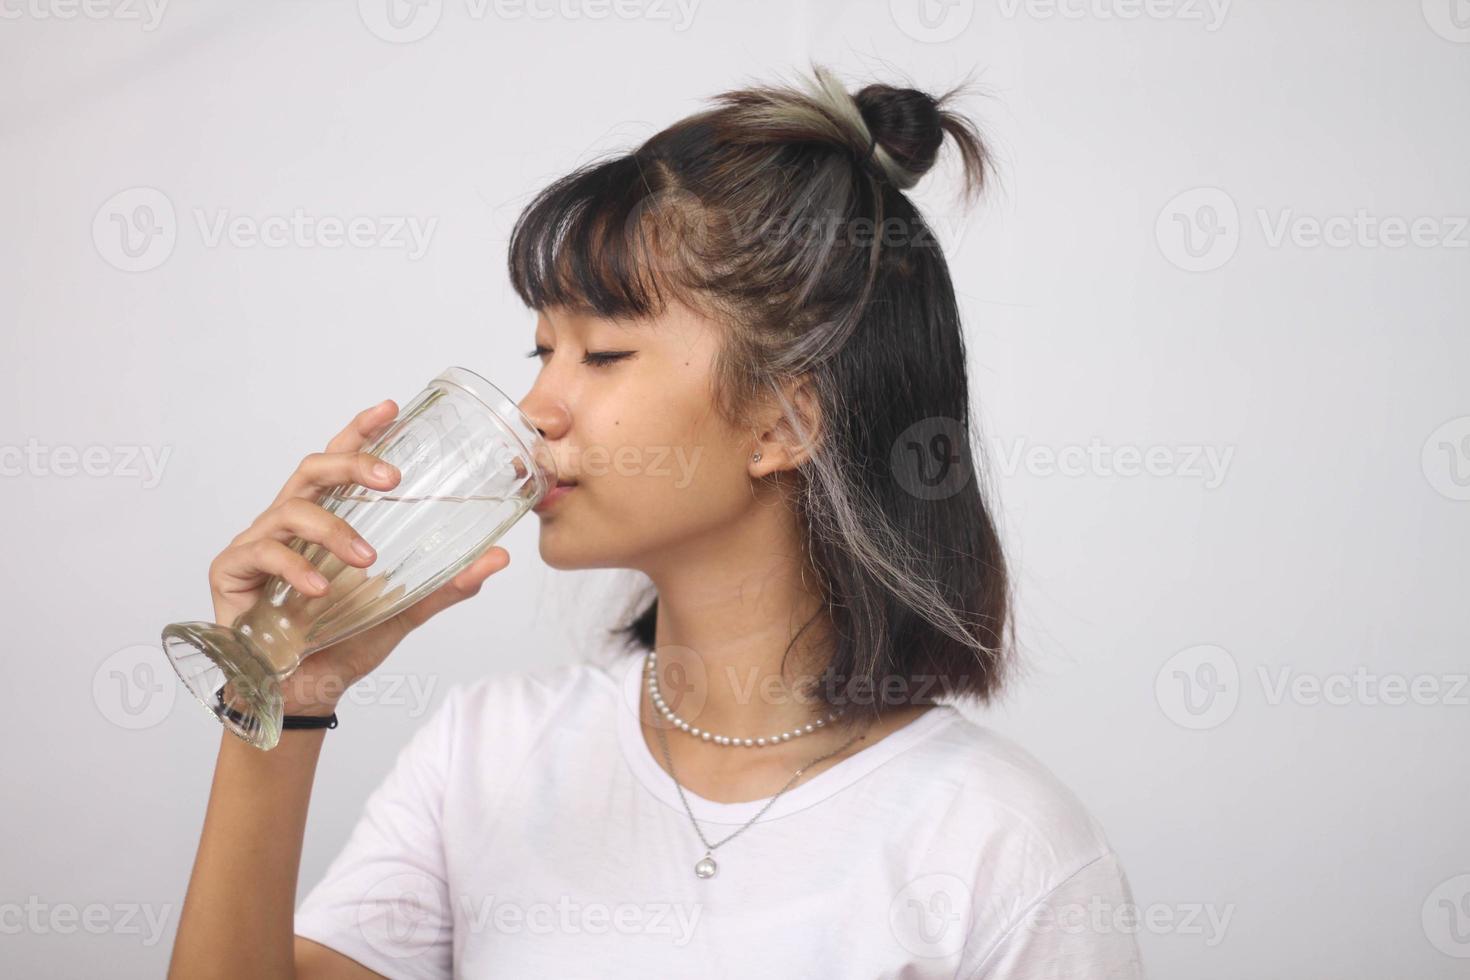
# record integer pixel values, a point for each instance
(591, 241)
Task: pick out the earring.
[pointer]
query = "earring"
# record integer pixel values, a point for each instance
(756, 458)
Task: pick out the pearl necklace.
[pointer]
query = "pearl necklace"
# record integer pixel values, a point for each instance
(650, 668)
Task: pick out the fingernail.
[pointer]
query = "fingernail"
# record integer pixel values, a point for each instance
(316, 580)
(382, 471)
(363, 549)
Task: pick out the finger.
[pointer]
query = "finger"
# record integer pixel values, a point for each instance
(364, 426)
(464, 585)
(300, 518)
(244, 565)
(319, 472)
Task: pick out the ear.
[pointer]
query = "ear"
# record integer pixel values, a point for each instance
(788, 428)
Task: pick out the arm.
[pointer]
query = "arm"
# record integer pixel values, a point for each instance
(237, 915)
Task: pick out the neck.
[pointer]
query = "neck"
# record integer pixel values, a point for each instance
(725, 622)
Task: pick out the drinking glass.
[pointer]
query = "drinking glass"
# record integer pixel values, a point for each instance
(472, 465)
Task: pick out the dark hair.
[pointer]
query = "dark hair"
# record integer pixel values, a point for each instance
(710, 212)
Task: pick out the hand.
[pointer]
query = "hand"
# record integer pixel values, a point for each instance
(238, 573)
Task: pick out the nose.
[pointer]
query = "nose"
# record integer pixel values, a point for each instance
(549, 415)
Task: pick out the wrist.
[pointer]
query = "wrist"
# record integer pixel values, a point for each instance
(315, 709)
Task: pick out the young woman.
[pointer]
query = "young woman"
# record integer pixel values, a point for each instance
(753, 379)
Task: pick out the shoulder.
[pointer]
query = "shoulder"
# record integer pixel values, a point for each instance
(1024, 847)
(1023, 821)
(523, 704)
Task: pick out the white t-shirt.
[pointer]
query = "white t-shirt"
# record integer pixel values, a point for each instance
(526, 830)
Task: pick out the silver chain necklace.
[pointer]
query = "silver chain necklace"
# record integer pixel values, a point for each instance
(706, 866)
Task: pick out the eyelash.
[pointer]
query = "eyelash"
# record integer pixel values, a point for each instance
(591, 358)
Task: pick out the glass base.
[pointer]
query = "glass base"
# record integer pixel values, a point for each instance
(218, 667)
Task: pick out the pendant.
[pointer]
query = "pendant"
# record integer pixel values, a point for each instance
(706, 867)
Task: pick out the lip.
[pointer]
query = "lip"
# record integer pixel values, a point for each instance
(555, 494)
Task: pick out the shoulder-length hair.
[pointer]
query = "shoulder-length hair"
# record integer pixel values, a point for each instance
(780, 213)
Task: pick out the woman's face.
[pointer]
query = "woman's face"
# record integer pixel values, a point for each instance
(627, 410)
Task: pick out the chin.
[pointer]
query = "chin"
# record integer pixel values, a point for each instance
(567, 551)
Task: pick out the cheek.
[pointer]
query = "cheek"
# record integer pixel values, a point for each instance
(666, 468)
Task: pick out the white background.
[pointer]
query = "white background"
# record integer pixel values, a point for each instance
(1160, 611)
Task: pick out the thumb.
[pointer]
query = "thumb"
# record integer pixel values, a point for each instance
(464, 585)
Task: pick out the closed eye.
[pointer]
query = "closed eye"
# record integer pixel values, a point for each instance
(592, 358)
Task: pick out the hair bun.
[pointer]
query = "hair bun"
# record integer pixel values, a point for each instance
(907, 124)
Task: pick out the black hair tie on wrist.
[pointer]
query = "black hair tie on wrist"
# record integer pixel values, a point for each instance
(289, 722)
